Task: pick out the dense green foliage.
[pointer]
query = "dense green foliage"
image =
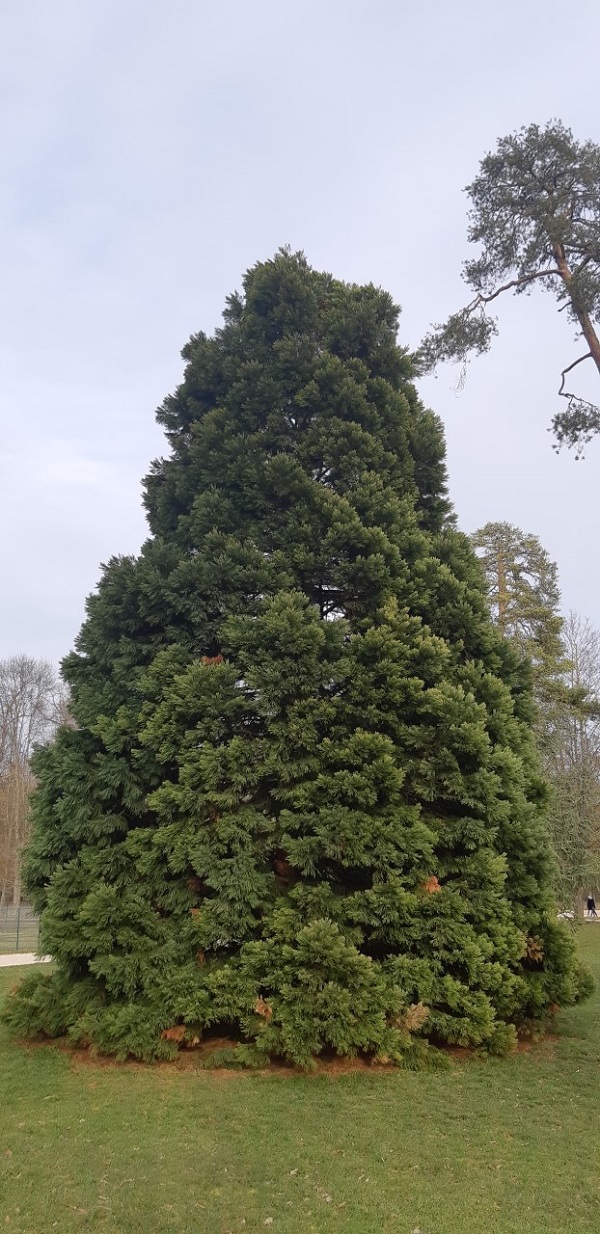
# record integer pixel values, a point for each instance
(303, 803)
(535, 213)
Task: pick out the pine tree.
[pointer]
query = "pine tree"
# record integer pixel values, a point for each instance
(524, 596)
(302, 804)
(535, 211)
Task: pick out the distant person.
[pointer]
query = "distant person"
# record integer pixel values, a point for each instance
(591, 906)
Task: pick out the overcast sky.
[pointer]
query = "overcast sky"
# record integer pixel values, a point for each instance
(152, 150)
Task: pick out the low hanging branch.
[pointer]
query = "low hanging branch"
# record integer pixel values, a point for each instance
(536, 212)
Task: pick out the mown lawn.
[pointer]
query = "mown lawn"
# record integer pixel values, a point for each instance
(501, 1147)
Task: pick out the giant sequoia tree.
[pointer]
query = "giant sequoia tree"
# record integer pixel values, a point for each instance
(302, 805)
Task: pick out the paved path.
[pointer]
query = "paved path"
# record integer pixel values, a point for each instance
(22, 957)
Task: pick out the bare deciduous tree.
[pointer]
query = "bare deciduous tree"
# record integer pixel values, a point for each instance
(32, 702)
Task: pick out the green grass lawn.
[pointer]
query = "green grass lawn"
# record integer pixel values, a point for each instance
(489, 1147)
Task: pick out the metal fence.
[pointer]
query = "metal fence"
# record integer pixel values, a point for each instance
(19, 928)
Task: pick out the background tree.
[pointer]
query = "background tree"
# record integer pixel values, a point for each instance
(522, 583)
(524, 596)
(303, 800)
(573, 763)
(31, 705)
(536, 213)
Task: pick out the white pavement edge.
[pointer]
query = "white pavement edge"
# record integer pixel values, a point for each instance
(17, 958)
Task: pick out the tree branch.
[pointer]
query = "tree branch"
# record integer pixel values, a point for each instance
(561, 389)
(581, 421)
(520, 282)
(583, 264)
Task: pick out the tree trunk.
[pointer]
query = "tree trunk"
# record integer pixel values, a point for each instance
(584, 319)
(502, 594)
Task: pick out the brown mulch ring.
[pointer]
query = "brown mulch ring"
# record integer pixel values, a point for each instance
(198, 1059)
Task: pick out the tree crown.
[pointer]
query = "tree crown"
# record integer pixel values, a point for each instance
(536, 193)
(536, 214)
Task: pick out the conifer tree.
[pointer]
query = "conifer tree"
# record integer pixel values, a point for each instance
(524, 596)
(535, 211)
(302, 804)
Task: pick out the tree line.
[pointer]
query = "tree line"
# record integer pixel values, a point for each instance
(563, 654)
